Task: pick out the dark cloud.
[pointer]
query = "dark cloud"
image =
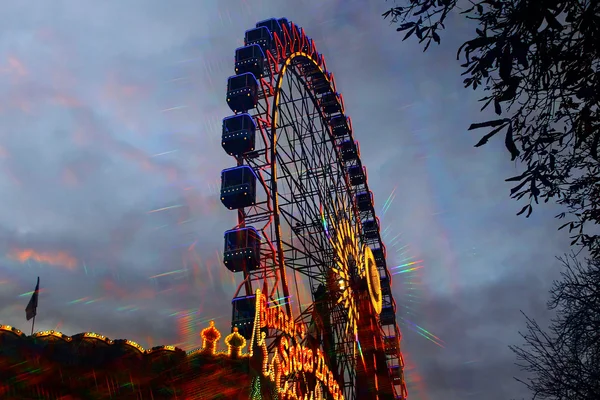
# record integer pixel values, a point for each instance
(110, 162)
(476, 327)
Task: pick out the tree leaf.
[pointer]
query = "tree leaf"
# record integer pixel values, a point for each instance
(517, 178)
(474, 44)
(486, 124)
(425, 7)
(563, 226)
(497, 107)
(427, 46)
(518, 187)
(410, 32)
(405, 26)
(510, 143)
(529, 211)
(487, 137)
(524, 209)
(419, 32)
(535, 192)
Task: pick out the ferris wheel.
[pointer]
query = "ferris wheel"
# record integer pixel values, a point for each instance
(307, 234)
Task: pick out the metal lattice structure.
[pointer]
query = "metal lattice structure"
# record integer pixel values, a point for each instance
(298, 180)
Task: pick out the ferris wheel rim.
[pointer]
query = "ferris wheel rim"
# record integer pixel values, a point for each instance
(347, 367)
(343, 336)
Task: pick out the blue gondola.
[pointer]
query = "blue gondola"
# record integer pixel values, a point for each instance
(379, 255)
(242, 92)
(272, 24)
(386, 288)
(349, 150)
(239, 134)
(242, 250)
(318, 81)
(330, 103)
(250, 59)
(397, 373)
(311, 71)
(238, 187)
(339, 125)
(357, 175)
(364, 201)
(260, 36)
(371, 228)
(391, 345)
(320, 84)
(388, 315)
(244, 311)
(386, 292)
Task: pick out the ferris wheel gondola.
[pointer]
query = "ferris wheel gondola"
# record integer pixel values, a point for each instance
(307, 233)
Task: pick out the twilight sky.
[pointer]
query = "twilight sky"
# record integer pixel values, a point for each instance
(110, 162)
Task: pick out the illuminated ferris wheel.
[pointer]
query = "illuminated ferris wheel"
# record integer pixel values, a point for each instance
(307, 234)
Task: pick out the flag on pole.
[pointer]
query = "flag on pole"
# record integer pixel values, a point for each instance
(31, 309)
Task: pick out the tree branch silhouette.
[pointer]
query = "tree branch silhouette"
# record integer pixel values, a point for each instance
(539, 62)
(564, 363)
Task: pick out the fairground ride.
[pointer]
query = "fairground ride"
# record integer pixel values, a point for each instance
(307, 236)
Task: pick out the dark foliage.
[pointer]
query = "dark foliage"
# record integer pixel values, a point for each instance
(565, 362)
(539, 61)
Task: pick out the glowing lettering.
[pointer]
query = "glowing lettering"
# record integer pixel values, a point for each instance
(290, 356)
(309, 361)
(283, 346)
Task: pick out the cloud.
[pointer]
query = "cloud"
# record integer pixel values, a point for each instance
(476, 326)
(59, 258)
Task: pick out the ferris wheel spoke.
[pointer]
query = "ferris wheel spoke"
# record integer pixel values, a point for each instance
(304, 221)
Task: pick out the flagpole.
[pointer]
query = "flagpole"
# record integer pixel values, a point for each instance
(32, 324)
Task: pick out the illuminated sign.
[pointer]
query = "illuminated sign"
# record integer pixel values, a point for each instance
(275, 318)
(290, 356)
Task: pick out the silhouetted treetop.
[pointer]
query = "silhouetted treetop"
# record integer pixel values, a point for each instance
(539, 62)
(564, 361)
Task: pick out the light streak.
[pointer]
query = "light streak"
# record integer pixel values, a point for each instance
(178, 79)
(388, 202)
(408, 264)
(173, 108)
(424, 333)
(178, 271)
(165, 208)
(78, 300)
(164, 153)
(360, 352)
